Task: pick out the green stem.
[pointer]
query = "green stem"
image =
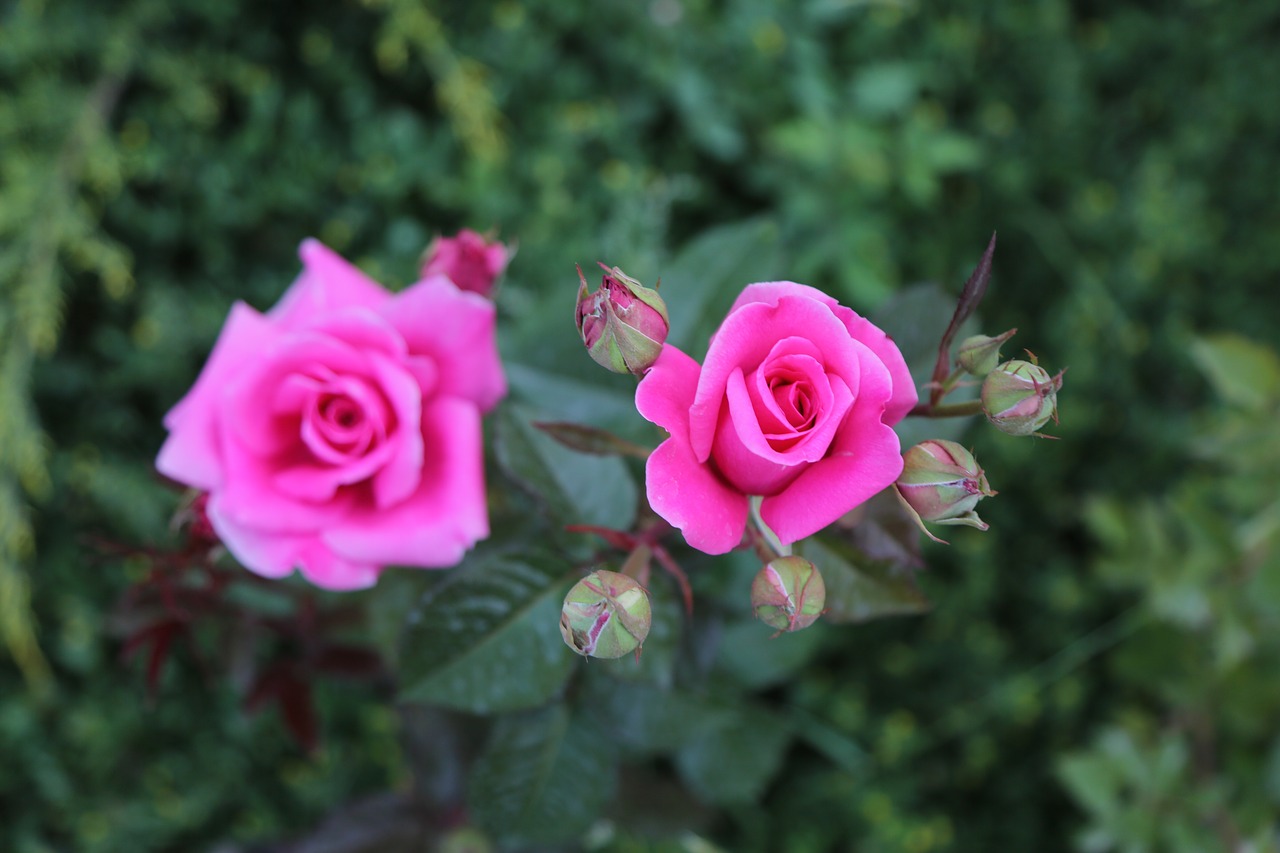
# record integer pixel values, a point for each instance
(947, 410)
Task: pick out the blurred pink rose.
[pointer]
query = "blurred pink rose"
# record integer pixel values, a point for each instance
(470, 260)
(340, 432)
(795, 403)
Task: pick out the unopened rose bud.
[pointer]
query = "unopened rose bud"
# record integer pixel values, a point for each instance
(471, 260)
(980, 354)
(943, 483)
(1019, 397)
(605, 615)
(788, 594)
(623, 324)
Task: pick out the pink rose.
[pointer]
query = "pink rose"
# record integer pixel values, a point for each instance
(795, 403)
(340, 432)
(470, 260)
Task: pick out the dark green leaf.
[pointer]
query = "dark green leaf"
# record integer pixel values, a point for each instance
(488, 639)
(577, 488)
(640, 718)
(859, 588)
(735, 755)
(702, 281)
(759, 657)
(542, 778)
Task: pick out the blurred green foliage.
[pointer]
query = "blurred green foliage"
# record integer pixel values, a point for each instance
(1081, 670)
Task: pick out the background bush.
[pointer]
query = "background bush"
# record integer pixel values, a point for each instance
(1095, 670)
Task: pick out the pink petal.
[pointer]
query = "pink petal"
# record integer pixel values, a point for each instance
(456, 330)
(328, 283)
(862, 329)
(363, 330)
(399, 476)
(190, 454)
(685, 492)
(865, 459)
(276, 555)
(252, 398)
(745, 340)
(433, 527)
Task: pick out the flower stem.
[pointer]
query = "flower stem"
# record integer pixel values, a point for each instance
(947, 410)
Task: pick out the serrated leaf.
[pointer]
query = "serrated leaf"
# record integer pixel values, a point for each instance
(542, 778)
(1243, 372)
(576, 488)
(735, 755)
(859, 588)
(488, 639)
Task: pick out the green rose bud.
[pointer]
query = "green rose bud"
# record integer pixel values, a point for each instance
(1019, 397)
(942, 482)
(623, 324)
(980, 354)
(788, 594)
(605, 615)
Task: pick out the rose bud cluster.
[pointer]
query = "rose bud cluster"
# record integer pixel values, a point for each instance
(942, 483)
(623, 324)
(788, 594)
(1019, 397)
(605, 615)
(471, 260)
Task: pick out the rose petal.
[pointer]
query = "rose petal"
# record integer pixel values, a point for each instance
(251, 399)
(328, 283)
(744, 341)
(274, 555)
(865, 458)
(685, 492)
(862, 329)
(190, 454)
(446, 515)
(363, 330)
(456, 330)
(399, 476)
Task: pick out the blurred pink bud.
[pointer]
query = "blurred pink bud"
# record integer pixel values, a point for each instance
(623, 324)
(470, 260)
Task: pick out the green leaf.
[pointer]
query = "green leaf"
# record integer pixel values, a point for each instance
(488, 639)
(702, 281)
(641, 718)
(1243, 373)
(543, 777)
(735, 755)
(860, 588)
(577, 488)
(758, 657)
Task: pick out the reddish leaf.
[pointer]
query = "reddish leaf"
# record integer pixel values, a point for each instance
(299, 713)
(587, 439)
(353, 662)
(974, 289)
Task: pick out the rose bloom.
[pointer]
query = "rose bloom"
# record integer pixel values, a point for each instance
(470, 260)
(340, 432)
(795, 403)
